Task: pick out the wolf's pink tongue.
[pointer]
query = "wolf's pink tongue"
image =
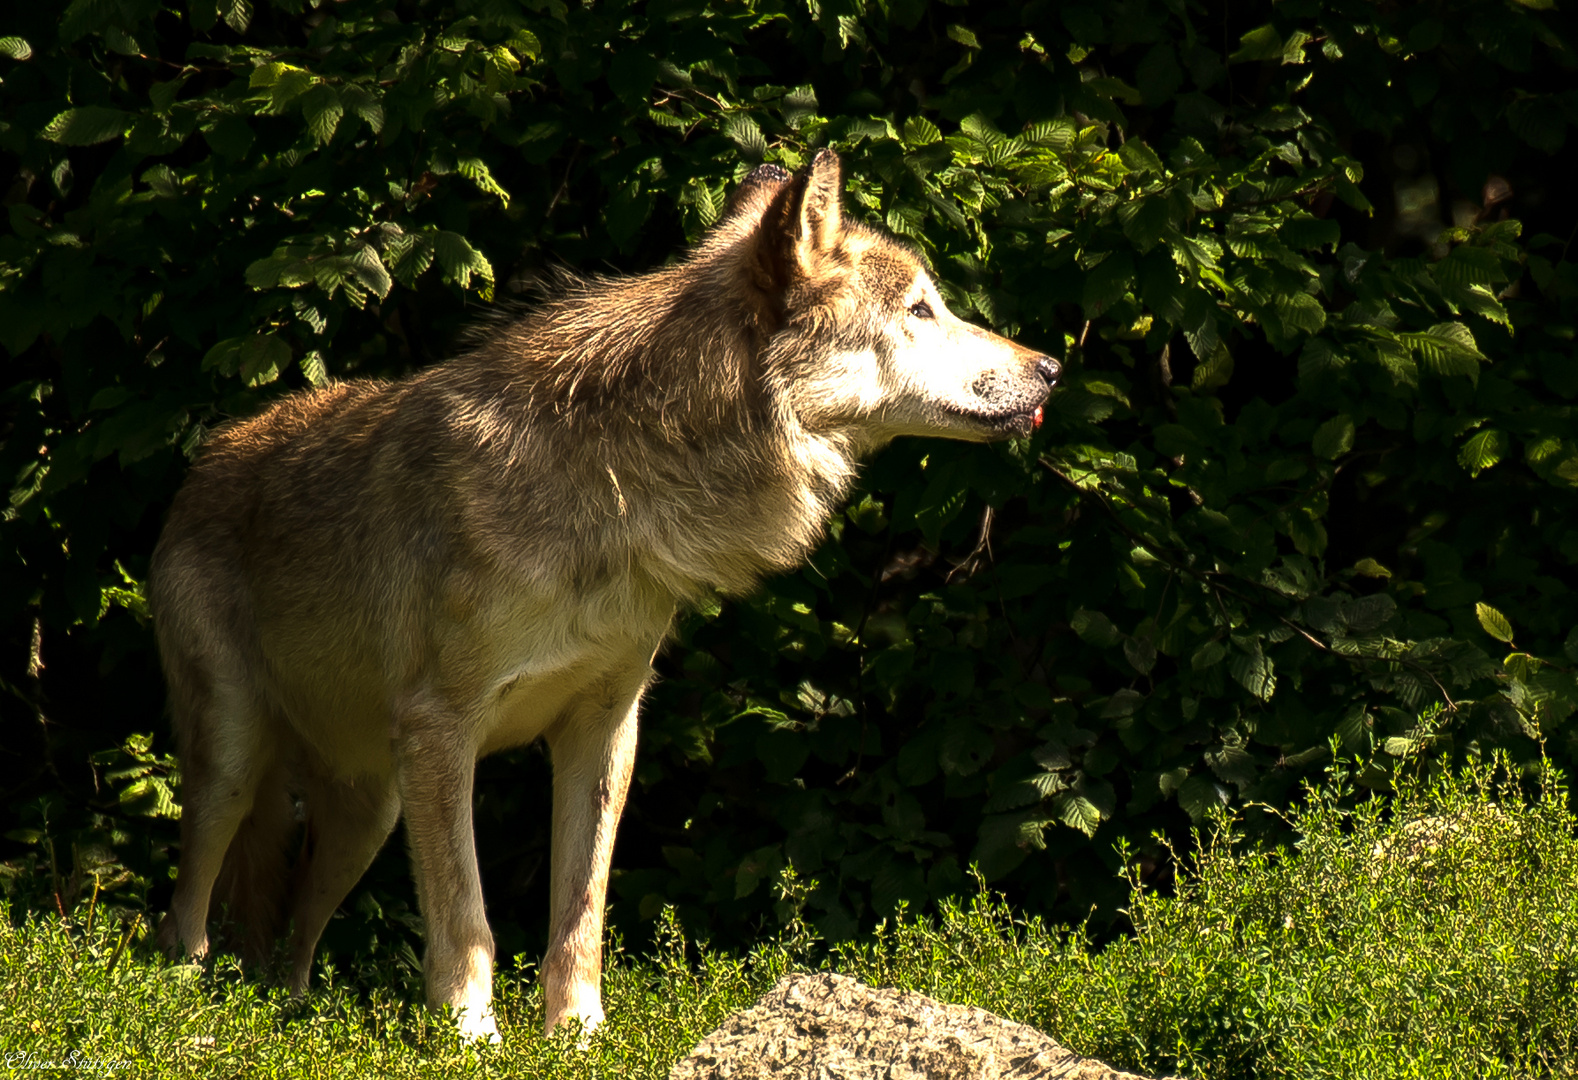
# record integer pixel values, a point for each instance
(1037, 421)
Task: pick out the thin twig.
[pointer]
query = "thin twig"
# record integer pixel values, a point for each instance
(563, 184)
(125, 938)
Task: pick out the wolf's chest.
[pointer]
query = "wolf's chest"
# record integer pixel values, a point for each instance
(543, 655)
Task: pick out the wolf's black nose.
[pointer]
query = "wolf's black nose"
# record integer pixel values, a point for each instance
(1049, 369)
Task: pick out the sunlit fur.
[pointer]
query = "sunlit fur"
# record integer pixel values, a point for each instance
(366, 587)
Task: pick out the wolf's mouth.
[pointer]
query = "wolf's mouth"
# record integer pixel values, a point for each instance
(1016, 423)
(1021, 423)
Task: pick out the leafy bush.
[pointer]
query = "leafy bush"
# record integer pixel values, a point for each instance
(1435, 936)
(1311, 470)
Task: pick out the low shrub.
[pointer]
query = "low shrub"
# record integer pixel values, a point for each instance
(1433, 933)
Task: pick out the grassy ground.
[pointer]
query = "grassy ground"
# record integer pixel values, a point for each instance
(1434, 935)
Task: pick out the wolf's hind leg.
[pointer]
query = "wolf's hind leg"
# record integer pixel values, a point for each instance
(253, 880)
(346, 825)
(225, 754)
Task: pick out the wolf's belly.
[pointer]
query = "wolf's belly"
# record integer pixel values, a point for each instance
(494, 666)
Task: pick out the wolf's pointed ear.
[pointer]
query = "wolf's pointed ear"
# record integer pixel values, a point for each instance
(755, 192)
(800, 224)
(820, 213)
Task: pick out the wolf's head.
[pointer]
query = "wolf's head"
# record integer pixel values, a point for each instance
(858, 339)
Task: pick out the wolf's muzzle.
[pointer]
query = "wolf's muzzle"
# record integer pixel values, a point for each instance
(1049, 369)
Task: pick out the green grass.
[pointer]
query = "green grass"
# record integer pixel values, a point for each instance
(1433, 934)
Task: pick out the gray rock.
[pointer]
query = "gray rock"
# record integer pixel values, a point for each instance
(829, 1027)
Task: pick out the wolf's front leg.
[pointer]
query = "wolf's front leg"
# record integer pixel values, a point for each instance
(437, 763)
(593, 749)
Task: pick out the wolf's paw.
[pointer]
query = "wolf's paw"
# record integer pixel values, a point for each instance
(477, 1025)
(588, 1015)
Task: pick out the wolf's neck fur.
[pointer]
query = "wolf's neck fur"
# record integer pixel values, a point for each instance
(678, 459)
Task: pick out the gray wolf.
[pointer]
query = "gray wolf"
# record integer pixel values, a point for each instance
(364, 589)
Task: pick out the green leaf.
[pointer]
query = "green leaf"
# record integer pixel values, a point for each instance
(763, 864)
(1539, 120)
(285, 267)
(1484, 449)
(88, 125)
(1353, 726)
(1369, 612)
(1255, 672)
(1334, 438)
(1199, 325)
(963, 35)
(119, 41)
(1141, 653)
(1214, 371)
(1446, 349)
(1234, 765)
(313, 368)
(1305, 233)
(1094, 628)
(370, 272)
(1208, 655)
(743, 131)
(262, 358)
(1261, 43)
(224, 356)
(1480, 301)
(627, 211)
(964, 748)
(1145, 221)
(409, 256)
(237, 14)
(1349, 193)
(322, 110)
(16, 48)
(228, 136)
(1301, 311)
(1468, 265)
(1199, 795)
(1086, 805)
(1142, 159)
(919, 131)
(1399, 746)
(1158, 75)
(476, 170)
(1107, 283)
(1111, 87)
(365, 103)
(526, 43)
(1494, 623)
(460, 261)
(1309, 535)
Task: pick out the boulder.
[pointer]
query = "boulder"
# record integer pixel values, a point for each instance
(830, 1027)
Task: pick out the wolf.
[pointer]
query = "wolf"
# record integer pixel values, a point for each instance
(364, 589)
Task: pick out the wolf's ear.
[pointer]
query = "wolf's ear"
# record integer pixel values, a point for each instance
(800, 224)
(819, 213)
(755, 192)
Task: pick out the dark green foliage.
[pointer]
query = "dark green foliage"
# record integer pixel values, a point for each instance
(1311, 472)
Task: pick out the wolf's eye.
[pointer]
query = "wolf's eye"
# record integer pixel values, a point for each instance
(922, 310)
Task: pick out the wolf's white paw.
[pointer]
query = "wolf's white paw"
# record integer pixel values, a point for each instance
(477, 1025)
(589, 1014)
